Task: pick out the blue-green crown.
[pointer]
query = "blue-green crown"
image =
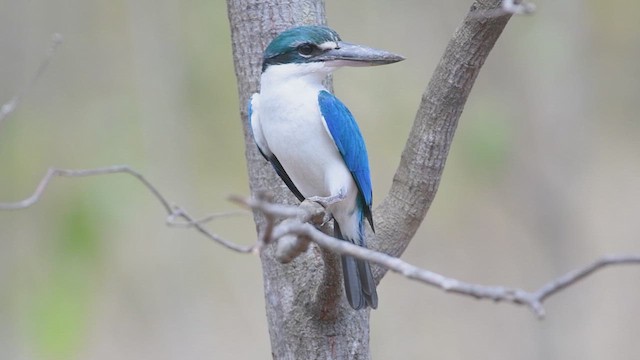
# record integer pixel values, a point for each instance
(297, 45)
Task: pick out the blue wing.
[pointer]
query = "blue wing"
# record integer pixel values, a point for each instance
(348, 139)
(263, 147)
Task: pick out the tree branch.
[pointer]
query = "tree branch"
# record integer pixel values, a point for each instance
(174, 212)
(423, 159)
(292, 236)
(306, 232)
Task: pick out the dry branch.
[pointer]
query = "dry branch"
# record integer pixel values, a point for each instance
(292, 235)
(174, 212)
(534, 300)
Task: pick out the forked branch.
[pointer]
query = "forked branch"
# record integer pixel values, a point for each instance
(293, 234)
(307, 232)
(175, 213)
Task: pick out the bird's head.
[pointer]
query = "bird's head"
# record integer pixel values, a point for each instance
(320, 49)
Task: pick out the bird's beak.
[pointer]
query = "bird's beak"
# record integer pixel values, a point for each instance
(357, 55)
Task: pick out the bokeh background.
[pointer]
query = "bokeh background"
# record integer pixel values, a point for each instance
(544, 176)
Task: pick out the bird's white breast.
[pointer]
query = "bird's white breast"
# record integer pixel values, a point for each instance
(296, 133)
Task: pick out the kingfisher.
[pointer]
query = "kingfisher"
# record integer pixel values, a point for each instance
(313, 141)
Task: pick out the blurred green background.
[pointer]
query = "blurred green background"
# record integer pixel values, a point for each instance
(544, 176)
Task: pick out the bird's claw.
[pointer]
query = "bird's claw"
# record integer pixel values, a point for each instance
(325, 201)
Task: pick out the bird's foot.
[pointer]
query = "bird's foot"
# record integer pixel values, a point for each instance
(325, 201)
(329, 200)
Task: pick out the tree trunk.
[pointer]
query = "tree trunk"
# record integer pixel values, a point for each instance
(307, 314)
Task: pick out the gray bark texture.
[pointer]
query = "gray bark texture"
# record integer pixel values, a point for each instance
(307, 315)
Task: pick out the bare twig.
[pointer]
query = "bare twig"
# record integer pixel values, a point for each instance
(574, 276)
(174, 212)
(173, 220)
(12, 104)
(295, 232)
(533, 300)
(288, 246)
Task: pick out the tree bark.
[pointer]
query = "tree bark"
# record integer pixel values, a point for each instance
(307, 315)
(423, 159)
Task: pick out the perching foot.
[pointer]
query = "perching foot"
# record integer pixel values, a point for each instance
(329, 200)
(325, 201)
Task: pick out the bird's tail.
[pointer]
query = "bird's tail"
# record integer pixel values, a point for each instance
(358, 279)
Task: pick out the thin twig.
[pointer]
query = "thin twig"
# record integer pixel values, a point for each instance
(9, 107)
(174, 212)
(173, 220)
(533, 300)
(296, 226)
(574, 276)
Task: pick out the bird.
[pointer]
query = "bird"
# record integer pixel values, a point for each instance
(313, 141)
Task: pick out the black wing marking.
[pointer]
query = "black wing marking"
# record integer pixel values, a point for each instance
(284, 176)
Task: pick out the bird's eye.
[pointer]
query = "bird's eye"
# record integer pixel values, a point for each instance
(306, 49)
